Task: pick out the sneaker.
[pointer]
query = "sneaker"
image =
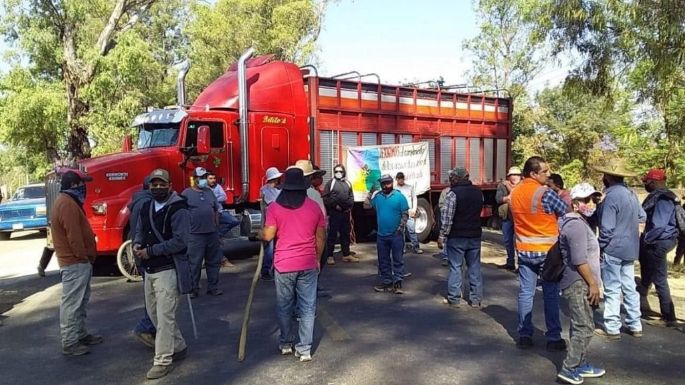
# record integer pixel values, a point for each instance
(179, 355)
(41, 271)
(76, 349)
(610, 336)
(397, 288)
(634, 333)
(195, 293)
(454, 305)
(304, 357)
(418, 251)
(322, 293)
(570, 376)
(215, 292)
(350, 258)
(159, 371)
(588, 371)
(285, 349)
(90, 339)
(148, 339)
(267, 277)
(445, 262)
(663, 323)
(475, 305)
(330, 261)
(383, 287)
(524, 343)
(556, 346)
(406, 275)
(227, 263)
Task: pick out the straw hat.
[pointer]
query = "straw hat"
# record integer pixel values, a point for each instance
(617, 168)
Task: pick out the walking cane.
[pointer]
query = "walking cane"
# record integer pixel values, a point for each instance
(248, 305)
(192, 315)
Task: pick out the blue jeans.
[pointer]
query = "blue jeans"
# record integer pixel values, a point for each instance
(268, 261)
(458, 250)
(226, 223)
(413, 238)
(391, 269)
(145, 324)
(508, 237)
(529, 269)
(619, 277)
(297, 288)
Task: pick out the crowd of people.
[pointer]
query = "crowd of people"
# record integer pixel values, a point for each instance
(596, 234)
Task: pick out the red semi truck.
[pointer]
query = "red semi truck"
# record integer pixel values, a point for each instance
(264, 112)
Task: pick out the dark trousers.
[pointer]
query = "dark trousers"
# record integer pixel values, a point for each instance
(679, 251)
(46, 257)
(390, 257)
(338, 223)
(205, 247)
(654, 270)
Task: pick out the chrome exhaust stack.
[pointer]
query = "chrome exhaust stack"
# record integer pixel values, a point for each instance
(183, 68)
(243, 108)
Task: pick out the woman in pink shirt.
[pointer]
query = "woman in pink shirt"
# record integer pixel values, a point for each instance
(300, 226)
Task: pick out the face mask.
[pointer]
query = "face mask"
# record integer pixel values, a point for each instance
(202, 183)
(79, 192)
(387, 189)
(159, 194)
(586, 209)
(339, 174)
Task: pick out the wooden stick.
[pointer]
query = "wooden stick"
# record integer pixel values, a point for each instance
(248, 305)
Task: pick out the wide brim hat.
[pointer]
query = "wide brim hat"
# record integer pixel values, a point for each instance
(294, 180)
(304, 165)
(272, 173)
(616, 168)
(513, 170)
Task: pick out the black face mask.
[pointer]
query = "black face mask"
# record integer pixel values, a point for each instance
(160, 194)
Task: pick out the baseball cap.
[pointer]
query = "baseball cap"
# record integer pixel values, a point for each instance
(200, 172)
(400, 175)
(460, 172)
(658, 174)
(583, 190)
(160, 174)
(514, 171)
(385, 178)
(71, 176)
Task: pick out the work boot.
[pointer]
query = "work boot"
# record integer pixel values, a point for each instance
(556, 346)
(215, 292)
(90, 339)
(148, 339)
(330, 261)
(75, 350)
(349, 258)
(179, 355)
(159, 371)
(397, 288)
(41, 271)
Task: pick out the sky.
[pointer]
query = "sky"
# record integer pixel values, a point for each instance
(405, 40)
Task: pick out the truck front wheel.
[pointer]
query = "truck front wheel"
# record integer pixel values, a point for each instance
(423, 222)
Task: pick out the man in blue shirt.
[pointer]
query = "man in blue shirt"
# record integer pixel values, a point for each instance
(619, 217)
(658, 239)
(392, 213)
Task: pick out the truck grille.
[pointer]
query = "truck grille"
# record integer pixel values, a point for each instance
(17, 214)
(52, 187)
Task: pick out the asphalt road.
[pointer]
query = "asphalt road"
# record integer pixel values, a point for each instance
(361, 337)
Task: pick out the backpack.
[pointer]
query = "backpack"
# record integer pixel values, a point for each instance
(553, 268)
(680, 218)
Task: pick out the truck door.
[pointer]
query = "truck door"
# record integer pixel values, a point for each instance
(274, 132)
(217, 160)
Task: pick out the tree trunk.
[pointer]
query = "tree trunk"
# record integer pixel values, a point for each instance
(78, 146)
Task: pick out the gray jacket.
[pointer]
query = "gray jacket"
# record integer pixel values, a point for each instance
(620, 215)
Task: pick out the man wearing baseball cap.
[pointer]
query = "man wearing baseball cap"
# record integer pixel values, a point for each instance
(503, 197)
(74, 243)
(392, 213)
(658, 239)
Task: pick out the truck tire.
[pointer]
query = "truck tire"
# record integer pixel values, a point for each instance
(126, 264)
(4, 236)
(424, 220)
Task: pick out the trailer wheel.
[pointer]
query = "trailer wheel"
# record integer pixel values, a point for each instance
(126, 262)
(423, 222)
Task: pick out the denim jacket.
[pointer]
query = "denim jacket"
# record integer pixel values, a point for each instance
(620, 215)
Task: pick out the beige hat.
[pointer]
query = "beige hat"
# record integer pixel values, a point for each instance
(513, 170)
(305, 166)
(616, 167)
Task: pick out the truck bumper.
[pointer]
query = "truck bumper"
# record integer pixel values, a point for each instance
(108, 240)
(24, 224)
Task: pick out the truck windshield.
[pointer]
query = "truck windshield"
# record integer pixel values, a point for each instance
(158, 135)
(29, 192)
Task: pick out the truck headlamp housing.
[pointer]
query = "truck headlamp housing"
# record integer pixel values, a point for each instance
(99, 208)
(41, 210)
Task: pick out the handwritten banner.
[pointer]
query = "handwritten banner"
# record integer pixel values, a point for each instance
(366, 164)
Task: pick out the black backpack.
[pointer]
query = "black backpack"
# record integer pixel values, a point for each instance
(680, 218)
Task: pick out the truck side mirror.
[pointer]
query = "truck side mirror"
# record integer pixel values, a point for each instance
(202, 140)
(127, 144)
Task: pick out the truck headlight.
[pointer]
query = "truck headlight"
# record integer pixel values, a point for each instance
(99, 209)
(41, 210)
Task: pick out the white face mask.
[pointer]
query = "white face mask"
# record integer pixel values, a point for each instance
(338, 174)
(586, 209)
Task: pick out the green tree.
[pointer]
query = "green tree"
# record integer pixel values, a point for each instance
(507, 55)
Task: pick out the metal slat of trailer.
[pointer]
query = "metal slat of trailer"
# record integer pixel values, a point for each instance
(501, 169)
(387, 138)
(405, 139)
(475, 166)
(369, 139)
(446, 146)
(431, 157)
(461, 153)
(489, 159)
(328, 151)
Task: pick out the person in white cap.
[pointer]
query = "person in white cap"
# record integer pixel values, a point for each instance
(580, 282)
(268, 194)
(203, 241)
(503, 197)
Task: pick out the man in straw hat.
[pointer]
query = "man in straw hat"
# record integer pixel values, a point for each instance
(619, 217)
(536, 208)
(301, 229)
(503, 197)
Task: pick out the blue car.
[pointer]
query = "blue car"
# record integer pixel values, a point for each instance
(26, 210)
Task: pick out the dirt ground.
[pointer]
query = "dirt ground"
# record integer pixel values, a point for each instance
(493, 252)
